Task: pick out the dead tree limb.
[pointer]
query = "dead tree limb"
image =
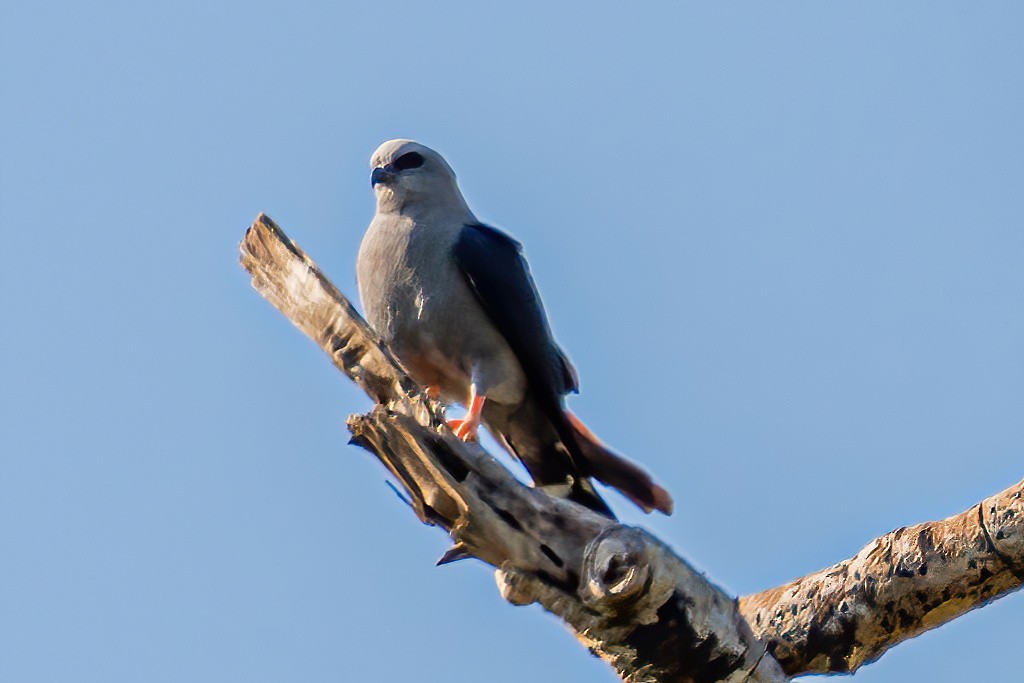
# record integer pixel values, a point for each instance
(628, 597)
(898, 586)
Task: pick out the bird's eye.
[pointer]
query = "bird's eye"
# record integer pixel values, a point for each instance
(407, 161)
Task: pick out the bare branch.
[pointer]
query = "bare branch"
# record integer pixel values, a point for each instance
(288, 279)
(624, 593)
(628, 598)
(898, 586)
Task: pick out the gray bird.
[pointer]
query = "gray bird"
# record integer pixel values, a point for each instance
(454, 301)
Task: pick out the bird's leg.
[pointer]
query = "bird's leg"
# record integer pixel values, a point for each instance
(466, 428)
(433, 392)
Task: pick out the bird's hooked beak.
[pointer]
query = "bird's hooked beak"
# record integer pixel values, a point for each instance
(382, 174)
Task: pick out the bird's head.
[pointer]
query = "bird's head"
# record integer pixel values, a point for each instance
(408, 177)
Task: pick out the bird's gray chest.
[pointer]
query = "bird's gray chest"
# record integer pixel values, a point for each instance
(397, 269)
(407, 280)
(418, 301)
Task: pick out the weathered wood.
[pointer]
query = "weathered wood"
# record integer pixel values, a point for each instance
(625, 594)
(898, 586)
(287, 278)
(629, 599)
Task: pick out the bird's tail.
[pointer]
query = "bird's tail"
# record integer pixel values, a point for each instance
(582, 491)
(614, 470)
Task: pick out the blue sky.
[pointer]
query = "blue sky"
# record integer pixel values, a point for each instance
(782, 245)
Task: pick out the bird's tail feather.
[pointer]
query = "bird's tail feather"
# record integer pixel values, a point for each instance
(580, 490)
(583, 492)
(614, 470)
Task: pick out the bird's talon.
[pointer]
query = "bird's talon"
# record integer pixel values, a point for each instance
(466, 431)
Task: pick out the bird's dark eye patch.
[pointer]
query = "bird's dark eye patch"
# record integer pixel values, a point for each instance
(407, 161)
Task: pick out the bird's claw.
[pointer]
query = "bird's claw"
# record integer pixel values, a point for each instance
(464, 429)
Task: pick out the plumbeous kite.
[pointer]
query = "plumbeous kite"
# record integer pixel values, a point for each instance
(454, 301)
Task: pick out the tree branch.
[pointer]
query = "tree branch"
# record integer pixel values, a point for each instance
(898, 586)
(287, 278)
(628, 598)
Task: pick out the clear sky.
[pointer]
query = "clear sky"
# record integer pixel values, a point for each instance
(783, 244)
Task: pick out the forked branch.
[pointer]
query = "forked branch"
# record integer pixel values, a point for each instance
(628, 597)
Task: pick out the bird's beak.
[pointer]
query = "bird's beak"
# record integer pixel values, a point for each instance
(381, 174)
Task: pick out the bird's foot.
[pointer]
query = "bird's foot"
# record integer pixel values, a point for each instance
(464, 429)
(433, 392)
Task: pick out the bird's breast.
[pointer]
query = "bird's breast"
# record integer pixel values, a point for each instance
(417, 300)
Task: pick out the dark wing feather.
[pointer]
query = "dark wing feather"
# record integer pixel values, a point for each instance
(495, 270)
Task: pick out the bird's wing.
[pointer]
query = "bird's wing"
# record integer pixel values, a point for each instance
(493, 266)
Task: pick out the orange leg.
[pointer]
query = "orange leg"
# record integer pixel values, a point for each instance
(433, 392)
(466, 428)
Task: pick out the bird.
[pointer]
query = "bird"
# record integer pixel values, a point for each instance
(454, 301)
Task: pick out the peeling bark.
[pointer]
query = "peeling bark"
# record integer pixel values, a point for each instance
(627, 596)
